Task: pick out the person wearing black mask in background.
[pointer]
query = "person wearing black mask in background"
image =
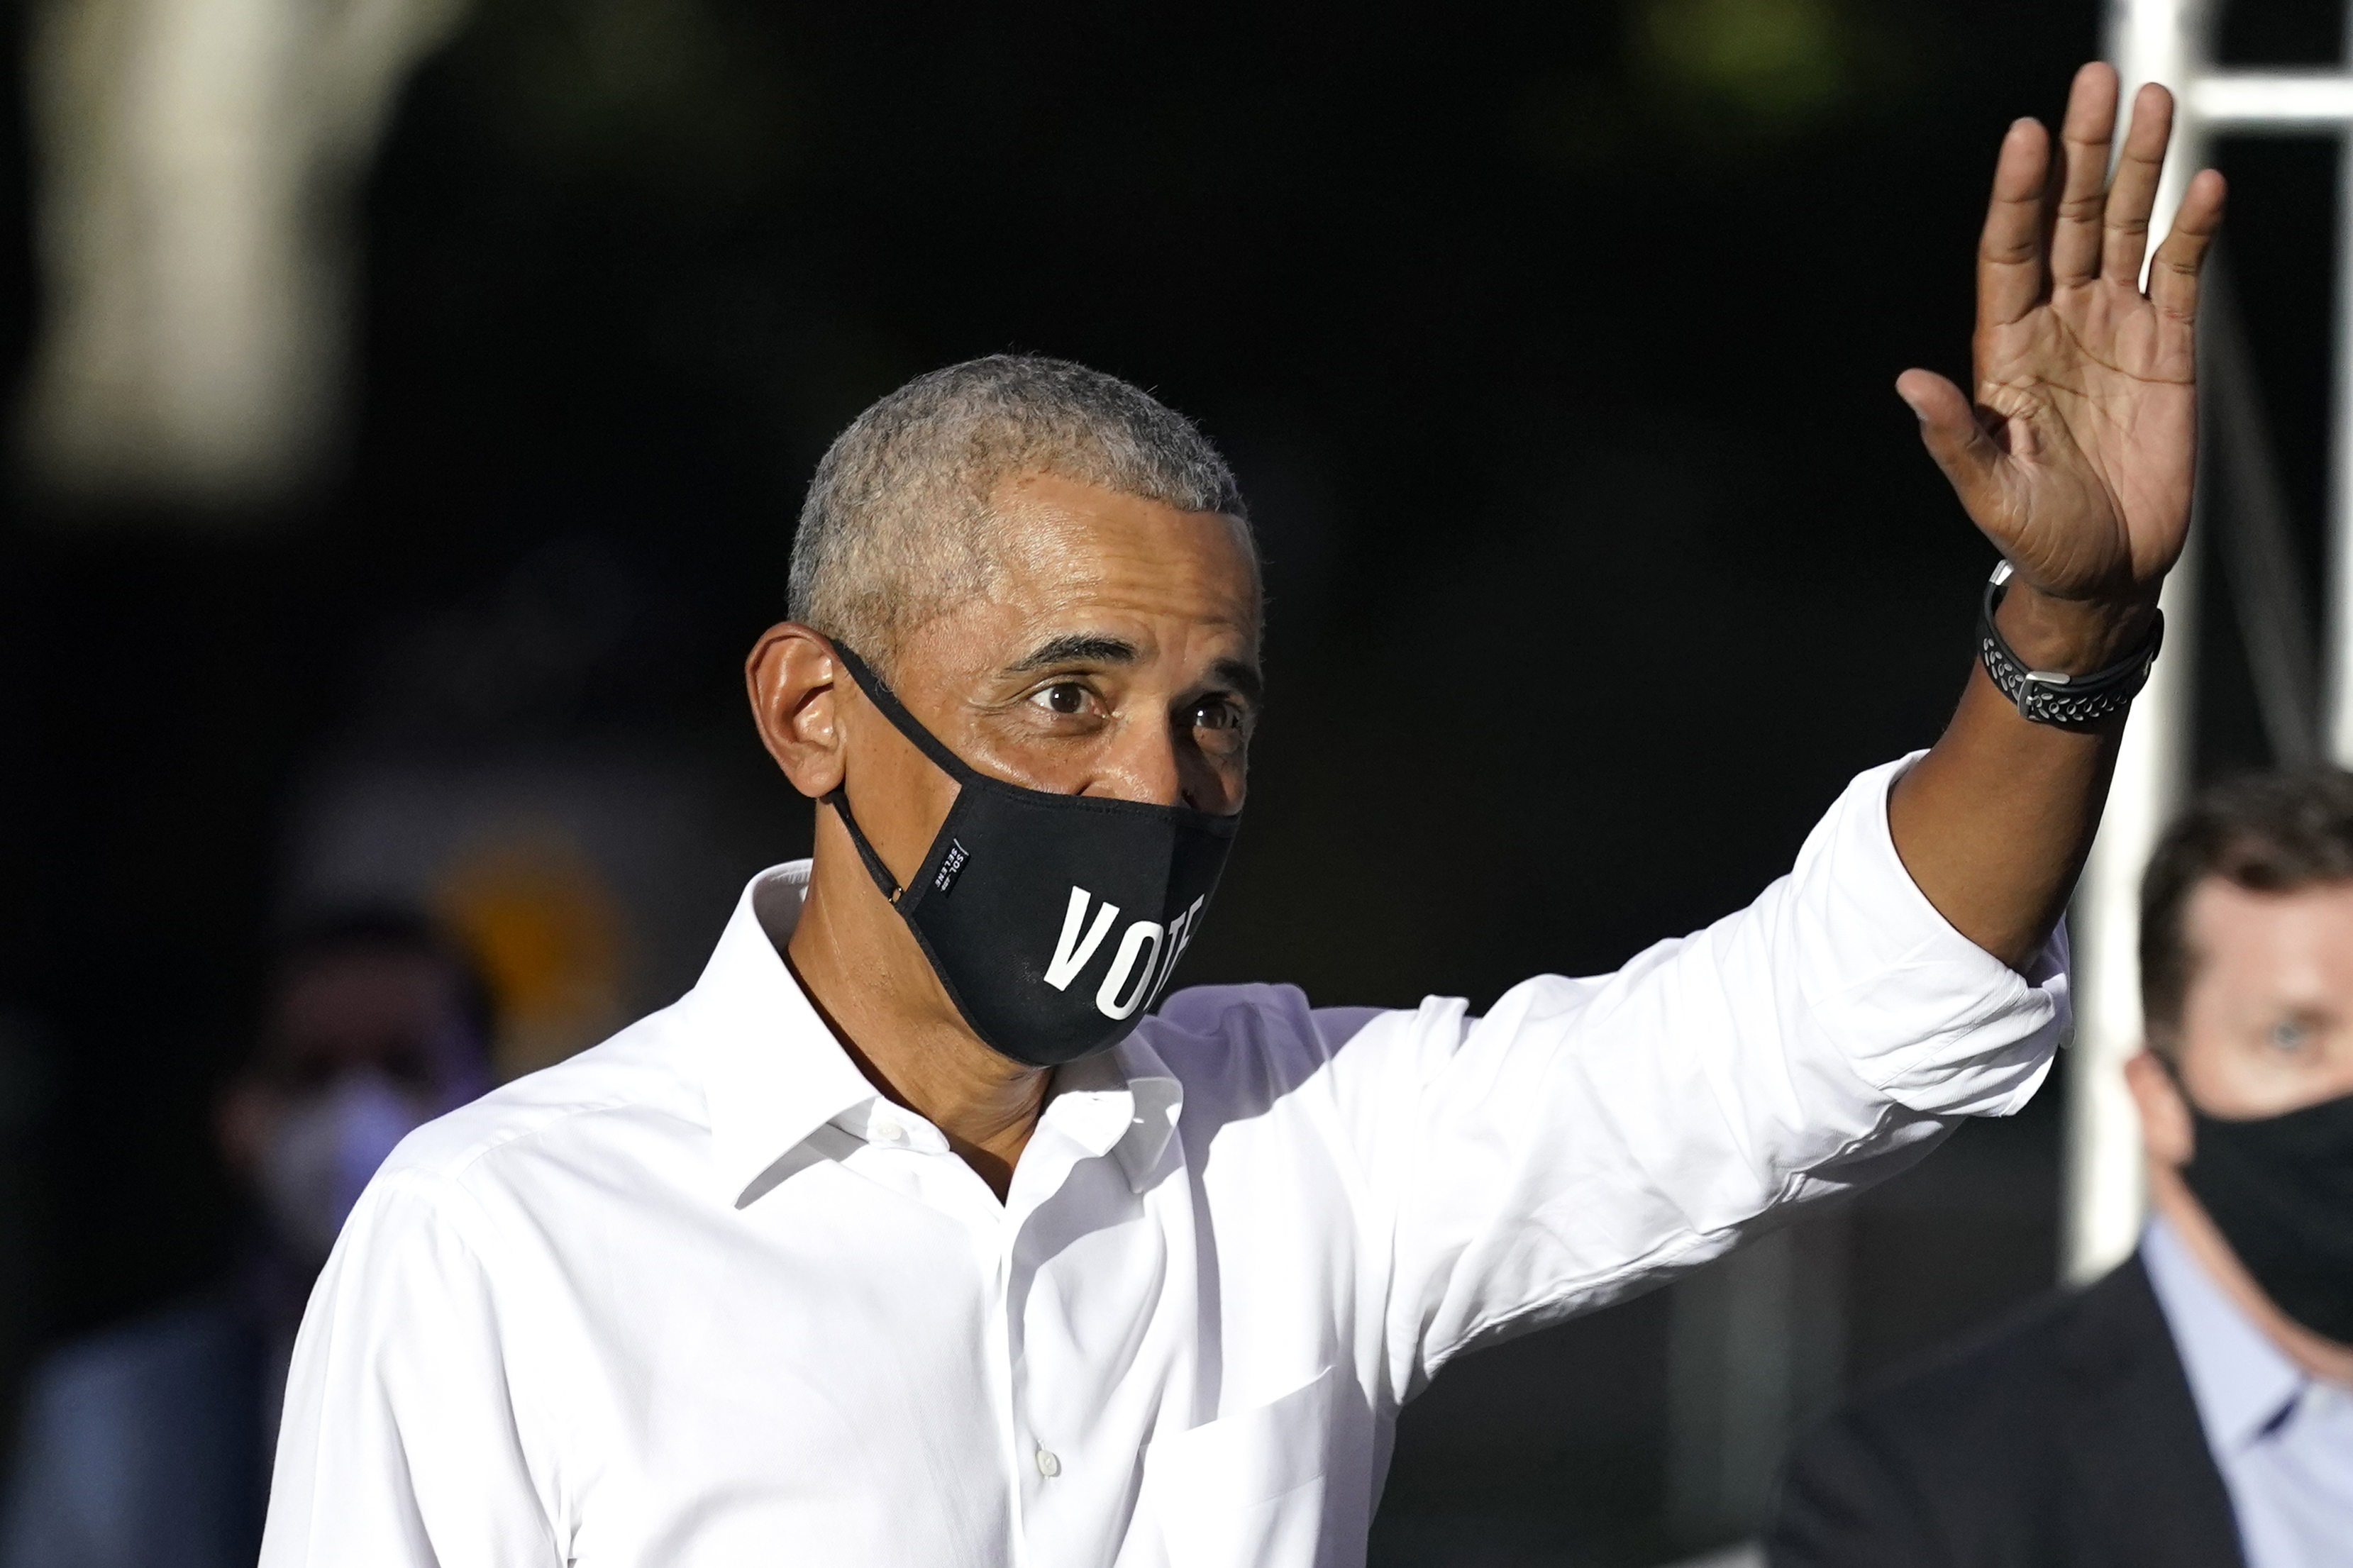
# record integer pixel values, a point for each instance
(2195, 1406)
(147, 1445)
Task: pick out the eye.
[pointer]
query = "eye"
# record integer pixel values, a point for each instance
(1216, 713)
(1062, 696)
(2290, 1034)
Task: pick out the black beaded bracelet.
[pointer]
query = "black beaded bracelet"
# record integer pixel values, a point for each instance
(2048, 697)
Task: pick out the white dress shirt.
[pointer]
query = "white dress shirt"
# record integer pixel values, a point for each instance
(699, 1296)
(2282, 1438)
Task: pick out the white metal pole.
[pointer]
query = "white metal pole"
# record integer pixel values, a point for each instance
(2337, 675)
(2162, 41)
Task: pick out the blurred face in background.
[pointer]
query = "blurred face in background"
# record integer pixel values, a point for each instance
(362, 1045)
(2267, 1021)
(2263, 1050)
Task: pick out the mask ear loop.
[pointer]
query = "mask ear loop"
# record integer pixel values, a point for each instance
(881, 696)
(874, 867)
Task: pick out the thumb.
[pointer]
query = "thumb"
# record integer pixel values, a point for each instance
(1949, 430)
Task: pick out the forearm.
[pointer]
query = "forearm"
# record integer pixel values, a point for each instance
(1993, 824)
(2074, 452)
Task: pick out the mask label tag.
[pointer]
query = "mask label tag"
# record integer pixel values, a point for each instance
(951, 864)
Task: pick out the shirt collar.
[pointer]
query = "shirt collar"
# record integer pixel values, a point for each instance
(1140, 1098)
(2242, 1382)
(773, 1073)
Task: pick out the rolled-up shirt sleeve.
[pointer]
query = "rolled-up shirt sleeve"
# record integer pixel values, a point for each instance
(1588, 1137)
(399, 1446)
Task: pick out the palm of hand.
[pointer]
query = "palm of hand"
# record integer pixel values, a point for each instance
(2096, 415)
(2076, 457)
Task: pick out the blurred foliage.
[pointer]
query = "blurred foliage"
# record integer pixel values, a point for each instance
(1779, 61)
(1727, 80)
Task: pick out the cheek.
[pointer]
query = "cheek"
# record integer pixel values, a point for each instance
(1229, 776)
(2275, 1080)
(898, 795)
(2242, 1077)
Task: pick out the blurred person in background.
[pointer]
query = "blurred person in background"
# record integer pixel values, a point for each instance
(147, 1445)
(2195, 1406)
(914, 1233)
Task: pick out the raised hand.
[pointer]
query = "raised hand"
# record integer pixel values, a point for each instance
(2076, 454)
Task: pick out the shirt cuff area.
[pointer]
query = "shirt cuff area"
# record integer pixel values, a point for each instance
(1922, 1014)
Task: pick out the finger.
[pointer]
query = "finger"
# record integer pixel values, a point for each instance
(2009, 248)
(1949, 430)
(2173, 276)
(2133, 190)
(2084, 140)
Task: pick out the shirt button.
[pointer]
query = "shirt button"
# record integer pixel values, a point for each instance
(890, 1132)
(1049, 1466)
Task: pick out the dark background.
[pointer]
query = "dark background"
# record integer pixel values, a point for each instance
(1552, 343)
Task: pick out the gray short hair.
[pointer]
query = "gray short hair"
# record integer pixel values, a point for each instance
(896, 526)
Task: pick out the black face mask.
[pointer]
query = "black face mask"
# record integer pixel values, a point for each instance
(1053, 920)
(2280, 1189)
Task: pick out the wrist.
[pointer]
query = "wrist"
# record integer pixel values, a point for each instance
(2072, 637)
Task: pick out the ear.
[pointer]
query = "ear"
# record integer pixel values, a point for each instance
(2164, 1127)
(792, 678)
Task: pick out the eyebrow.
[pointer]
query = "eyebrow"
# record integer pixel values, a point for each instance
(1099, 647)
(1244, 678)
(1078, 647)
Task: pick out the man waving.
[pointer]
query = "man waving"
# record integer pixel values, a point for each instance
(932, 1228)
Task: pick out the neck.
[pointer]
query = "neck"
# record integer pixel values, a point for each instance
(2320, 1358)
(876, 991)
